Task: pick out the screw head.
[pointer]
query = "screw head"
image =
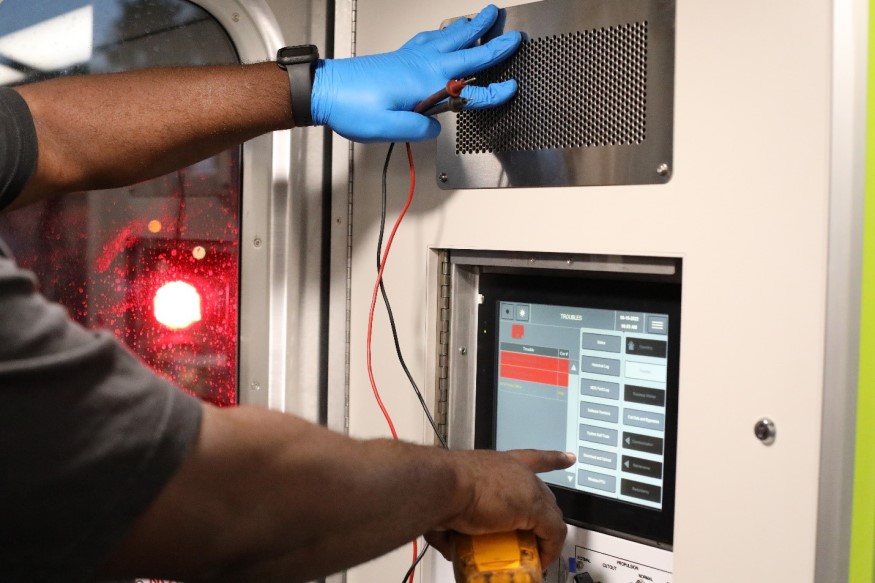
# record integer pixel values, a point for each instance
(463, 350)
(443, 177)
(765, 431)
(235, 17)
(255, 386)
(662, 169)
(256, 242)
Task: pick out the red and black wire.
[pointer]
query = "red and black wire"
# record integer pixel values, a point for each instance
(447, 99)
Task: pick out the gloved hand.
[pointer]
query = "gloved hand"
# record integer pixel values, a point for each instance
(370, 99)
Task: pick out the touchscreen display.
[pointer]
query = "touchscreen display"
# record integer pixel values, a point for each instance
(591, 381)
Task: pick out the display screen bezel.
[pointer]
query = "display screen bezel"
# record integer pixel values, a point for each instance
(582, 508)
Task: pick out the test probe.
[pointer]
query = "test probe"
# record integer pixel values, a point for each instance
(447, 99)
(507, 557)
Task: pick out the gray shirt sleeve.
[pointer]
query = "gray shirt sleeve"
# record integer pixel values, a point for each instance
(88, 437)
(18, 145)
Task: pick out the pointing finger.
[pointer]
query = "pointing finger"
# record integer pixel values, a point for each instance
(543, 461)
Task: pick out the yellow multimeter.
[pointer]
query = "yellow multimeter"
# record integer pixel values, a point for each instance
(505, 557)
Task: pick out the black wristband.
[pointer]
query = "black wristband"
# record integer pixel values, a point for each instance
(300, 63)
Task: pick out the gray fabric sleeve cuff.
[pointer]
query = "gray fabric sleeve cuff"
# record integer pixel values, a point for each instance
(18, 145)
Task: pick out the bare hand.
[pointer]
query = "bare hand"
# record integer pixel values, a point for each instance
(503, 494)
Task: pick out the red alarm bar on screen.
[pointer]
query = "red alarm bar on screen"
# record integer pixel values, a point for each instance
(534, 368)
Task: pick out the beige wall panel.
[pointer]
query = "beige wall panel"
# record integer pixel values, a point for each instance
(746, 209)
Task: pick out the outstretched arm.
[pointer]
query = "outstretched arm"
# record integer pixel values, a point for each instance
(269, 497)
(105, 131)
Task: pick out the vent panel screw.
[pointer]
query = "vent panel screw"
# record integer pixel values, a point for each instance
(765, 431)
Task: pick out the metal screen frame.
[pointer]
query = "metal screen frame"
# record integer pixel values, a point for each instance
(583, 161)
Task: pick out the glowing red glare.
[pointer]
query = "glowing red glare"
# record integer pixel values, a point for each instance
(177, 305)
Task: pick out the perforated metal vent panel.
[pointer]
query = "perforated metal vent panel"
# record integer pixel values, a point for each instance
(594, 107)
(584, 89)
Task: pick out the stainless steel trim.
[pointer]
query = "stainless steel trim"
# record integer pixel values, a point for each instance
(561, 161)
(841, 357)
(298, 312)
(463, 367)
(280, 287)
(251, 25)
(339, 310)
(256, 35)
(465, 268)
(640, 265)
(339, 304)
(442, 332)
(278, 299)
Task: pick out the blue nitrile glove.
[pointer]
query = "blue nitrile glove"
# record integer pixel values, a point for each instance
(370, 99)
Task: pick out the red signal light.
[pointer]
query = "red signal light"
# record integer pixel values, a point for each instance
(177, 305)
(181, 312)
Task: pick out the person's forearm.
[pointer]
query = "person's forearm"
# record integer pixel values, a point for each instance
(102, 131)
(270, 497)
(342, 501)
(294, 501)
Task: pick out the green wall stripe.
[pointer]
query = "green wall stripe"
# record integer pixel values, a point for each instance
(863, 530)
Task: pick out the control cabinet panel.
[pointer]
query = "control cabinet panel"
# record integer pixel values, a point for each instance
(754, 191)
(592, 557)
(579, 356)
(585, 362)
